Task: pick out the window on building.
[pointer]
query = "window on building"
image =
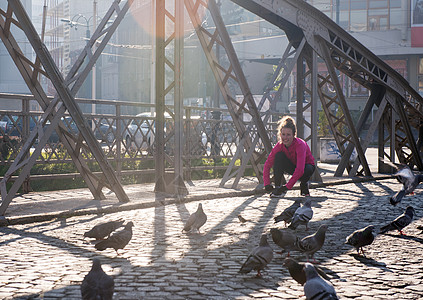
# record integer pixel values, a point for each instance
(358, 15)
(395, 4)
(377, 20)
(358, 20)
(399, 65)
(378, 4)
(396, 18)
(344, 19)
(358, 4)
(344, 5)
(357, 90)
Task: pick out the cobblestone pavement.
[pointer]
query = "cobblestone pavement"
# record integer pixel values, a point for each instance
(49, 259)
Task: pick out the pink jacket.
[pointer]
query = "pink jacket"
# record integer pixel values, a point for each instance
(299, 153)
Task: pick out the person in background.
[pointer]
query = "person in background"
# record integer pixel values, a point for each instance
(290, 155)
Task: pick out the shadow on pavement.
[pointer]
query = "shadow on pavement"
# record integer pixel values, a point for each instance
(340, 225)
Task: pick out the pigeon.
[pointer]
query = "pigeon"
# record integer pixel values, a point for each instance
(118, 240)
(315, 286)
(312, 243)
(296, 270)
(302, 215)
(241, 219)
(287, 214)
(97, 284)
(259, 257)
(196, 220)
(409, 180)
(285, 239)
(100, 231)
(360, 238)
(400, 222)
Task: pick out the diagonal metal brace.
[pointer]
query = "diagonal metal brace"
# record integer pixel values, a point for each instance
(67, 98)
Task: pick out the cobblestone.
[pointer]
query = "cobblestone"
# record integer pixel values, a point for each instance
(48, 260)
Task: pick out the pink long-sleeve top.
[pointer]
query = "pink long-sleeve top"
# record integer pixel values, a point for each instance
(299, 153)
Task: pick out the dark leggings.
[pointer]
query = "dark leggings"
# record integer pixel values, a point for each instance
(282, 165)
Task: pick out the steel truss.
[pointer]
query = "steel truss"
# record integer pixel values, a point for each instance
(311, 34)
(279, 79)
(81, 145)
(307, 85)
(228, 75)
(364, 71)
(169, 183)
(342, 53)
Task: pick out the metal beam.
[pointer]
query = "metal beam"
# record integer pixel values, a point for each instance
(226, 74)
(372, 129)
(160, 185)
(375, 97)
(314, 116)
(298, 18)
(414, 156)
(179, 184)
(242, 80)
(341, 100)
(278, 81)
(67, 98)
(52, 113)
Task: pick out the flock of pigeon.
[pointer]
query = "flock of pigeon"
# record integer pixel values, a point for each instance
(316, 283)
(98, 285)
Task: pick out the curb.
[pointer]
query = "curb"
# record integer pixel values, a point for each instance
(7, 221)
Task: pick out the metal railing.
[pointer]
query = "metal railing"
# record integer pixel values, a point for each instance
(126, 132)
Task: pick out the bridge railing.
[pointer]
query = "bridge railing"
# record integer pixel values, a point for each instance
(126, 132)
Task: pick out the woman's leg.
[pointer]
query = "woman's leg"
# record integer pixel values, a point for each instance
(308, 171)
(281, 165)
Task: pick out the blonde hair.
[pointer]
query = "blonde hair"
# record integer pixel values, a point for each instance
(286, 122)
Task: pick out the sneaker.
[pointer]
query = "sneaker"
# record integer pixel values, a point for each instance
(277, 193)
(304, 189)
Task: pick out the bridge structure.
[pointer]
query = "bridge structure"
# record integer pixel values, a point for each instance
(312, 37)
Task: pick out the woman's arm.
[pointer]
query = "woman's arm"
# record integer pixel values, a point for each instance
(269, 164)
(300, 164)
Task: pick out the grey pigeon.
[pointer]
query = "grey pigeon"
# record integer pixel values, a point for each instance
(296, 270)
(316, 287)
(286, 239)
(97, 284)
(409, 180)
(312, 243)
(400, 222)
(302, 215)
(360, 238)
(241, 219)
(100, 231)
(288, 212)
(196, 220)
(118, 240)
(259, 257)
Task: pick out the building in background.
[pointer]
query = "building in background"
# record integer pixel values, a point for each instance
(123, 69)
(69, 25)
(131, 51)
(392, 29)
(386, 27)
(389, 28)
(10, 79)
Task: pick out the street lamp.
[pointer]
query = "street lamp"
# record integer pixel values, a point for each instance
(75, 23)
